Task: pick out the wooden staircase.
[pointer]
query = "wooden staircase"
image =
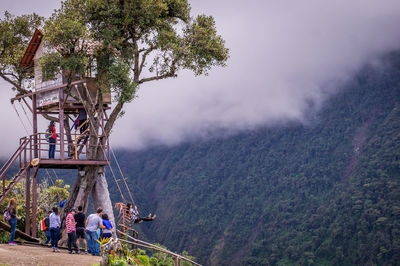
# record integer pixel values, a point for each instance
(24, 166)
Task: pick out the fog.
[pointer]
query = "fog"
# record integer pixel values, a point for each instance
(285, 57)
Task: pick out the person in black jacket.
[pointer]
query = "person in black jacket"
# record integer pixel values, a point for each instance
(80, 227)
(47, 231)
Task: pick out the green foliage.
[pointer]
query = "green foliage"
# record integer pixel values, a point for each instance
(204, 48)
(118, 77)
(155, 259)
(131, 38)
(15, 34)
(117, 261)
(50, 196)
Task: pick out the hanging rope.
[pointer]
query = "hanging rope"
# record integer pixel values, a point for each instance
(112, 172)
(113, 154)
(20, 119)
(27, 117)
(27, 132)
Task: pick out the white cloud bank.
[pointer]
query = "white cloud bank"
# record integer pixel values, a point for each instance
(284, 54)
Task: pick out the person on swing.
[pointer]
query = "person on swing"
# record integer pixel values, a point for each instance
(133, 215)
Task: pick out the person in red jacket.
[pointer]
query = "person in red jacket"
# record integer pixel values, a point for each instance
(52, 140)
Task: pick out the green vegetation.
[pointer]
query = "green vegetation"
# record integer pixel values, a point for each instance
(48, 197)
(140, 257)
(325, 193)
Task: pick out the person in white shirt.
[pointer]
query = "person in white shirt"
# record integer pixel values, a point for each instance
(93, 222)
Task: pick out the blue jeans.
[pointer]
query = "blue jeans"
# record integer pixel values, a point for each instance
(91, 236)
(13, 225)
(48, 236)
(54, 237)
(52, 148)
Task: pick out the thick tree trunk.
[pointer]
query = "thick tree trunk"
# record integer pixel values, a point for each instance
(101, 196)
(91, 181)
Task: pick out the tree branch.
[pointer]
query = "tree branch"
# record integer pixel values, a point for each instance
(17, 87)
(146, 53)
(167, 75)
(113, 117)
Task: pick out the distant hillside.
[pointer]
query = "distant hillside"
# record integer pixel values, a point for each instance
(327, 193)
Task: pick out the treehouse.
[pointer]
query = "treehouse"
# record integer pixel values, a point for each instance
(64, 101)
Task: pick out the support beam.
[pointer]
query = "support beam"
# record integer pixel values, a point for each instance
(6, 227)
(27, 202)
(34, 200)
(61, 120)
(35, 140)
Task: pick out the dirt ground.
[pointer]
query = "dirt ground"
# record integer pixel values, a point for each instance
(37, 255)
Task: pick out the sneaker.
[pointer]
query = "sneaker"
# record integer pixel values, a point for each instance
(70, 252)
(154, 217)
(78, 252)
(54, 250)
(57, 250)
(86, 251)
(12, 243)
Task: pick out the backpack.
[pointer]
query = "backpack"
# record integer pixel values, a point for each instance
(48, 134)
(76, 123)
(43, 226)
(47, 222)
(7, 215)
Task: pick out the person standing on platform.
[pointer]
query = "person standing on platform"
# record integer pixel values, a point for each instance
(94, 222)
(70, 224)
(80, 227)
(52, 140)
(55, 224)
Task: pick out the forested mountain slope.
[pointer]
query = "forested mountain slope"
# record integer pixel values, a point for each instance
(325, 193)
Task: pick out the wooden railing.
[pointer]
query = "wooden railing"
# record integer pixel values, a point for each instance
(38, 147)
(176, 257)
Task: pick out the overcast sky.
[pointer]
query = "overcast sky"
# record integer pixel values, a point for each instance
(285, 54)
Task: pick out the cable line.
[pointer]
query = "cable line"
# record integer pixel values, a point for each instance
(97, 136)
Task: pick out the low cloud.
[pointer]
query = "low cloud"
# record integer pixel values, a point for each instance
(284, 55)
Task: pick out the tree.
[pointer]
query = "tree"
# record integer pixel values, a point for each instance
(129, 43)
(15, 34)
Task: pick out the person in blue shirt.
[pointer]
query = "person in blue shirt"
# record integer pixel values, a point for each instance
(107, 231)
(55, 224)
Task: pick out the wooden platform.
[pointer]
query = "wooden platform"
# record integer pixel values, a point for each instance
(68, 163)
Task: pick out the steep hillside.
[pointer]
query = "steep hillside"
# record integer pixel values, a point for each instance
(325, 193)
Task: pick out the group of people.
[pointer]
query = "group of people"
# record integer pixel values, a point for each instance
(79, 227)
(95, 226)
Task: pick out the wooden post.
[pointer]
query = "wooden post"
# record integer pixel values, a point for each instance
(61, 120)
(34, 201)
(4, 184)
(27, 201)
(35, 140)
